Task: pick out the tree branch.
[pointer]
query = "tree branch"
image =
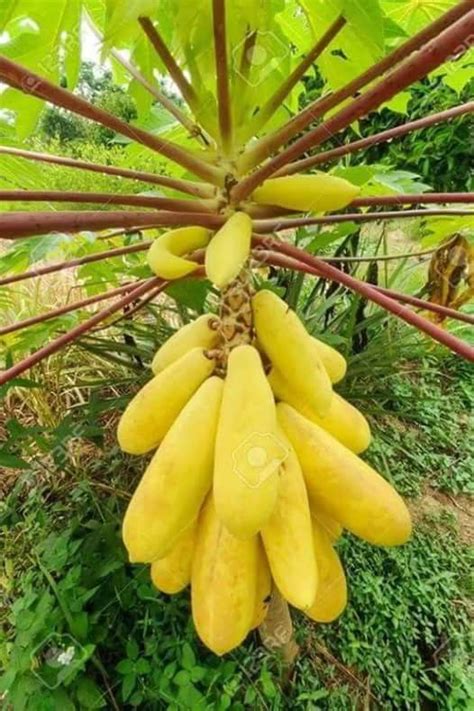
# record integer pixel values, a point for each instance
(299, 260)
(222, 75)
(268, 145)
(275, 101)
(71, 336)
(90, 258)
(24, 80)
(202, 190)
(157, 203)
(382, 137)
(449, 42)
(159, 45)
(263, 226)
(15, 225)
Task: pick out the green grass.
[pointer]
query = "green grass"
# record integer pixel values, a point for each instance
(402, 643)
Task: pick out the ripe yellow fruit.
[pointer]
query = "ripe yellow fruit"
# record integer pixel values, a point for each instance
(229, 250)
(344, 486)
(288, 539)
(334, 362)
(332, 527)
(164, 255)
(342, 421)
(307, 193)
(172, 490)
(197, 334)
(248, 449)
(290, 349)
(173, 573)
(155, 407)
(264, 588)
(331, 596)
(223, 583)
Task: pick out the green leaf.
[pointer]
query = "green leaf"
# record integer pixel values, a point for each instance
(10, 461)
(191, 293)
(128, 685)
(367, 21)
(399, 103)
(132, 649)
(89, 694)
(7, 8)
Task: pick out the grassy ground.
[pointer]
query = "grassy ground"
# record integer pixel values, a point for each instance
(403, 642)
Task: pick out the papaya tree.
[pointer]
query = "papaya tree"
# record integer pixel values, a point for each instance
(253, 447)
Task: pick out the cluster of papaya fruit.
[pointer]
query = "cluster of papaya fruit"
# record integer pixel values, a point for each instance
(256, 471)
(227, 250)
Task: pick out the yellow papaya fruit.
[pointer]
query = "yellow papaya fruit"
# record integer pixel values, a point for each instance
(172, 489)
(248, 449)
(165, 254)
(229, 250)
(331, 596)
(201, 333)
(291, 350)
(223, 583)
(288, 539)
(264, 588)
(333, 361)
(173, 573)
(307, 193)
(345, 487)
(332, 527)
(155, 407)
(343, 421)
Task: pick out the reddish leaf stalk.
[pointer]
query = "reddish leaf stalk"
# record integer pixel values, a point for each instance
(268, 145)
(414, 199)
(422, 63)
(71, 336)
(158, 203)
(26, 81)
(291, 257)
(276, 225)
(15, 225)
(427, 305)
(222, 74)
(382, 137)
(168, 60)
(264, 255)
(275, 101)
(68, 308)
(201, 190)
(89, 259)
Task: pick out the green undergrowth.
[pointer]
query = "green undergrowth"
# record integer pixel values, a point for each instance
(67, 589)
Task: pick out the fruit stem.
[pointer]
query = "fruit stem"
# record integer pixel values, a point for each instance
(276, 631)
(235, 316)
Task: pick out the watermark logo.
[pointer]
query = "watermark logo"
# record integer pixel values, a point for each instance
(261, 58)
(57, 659)
(258, 458)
